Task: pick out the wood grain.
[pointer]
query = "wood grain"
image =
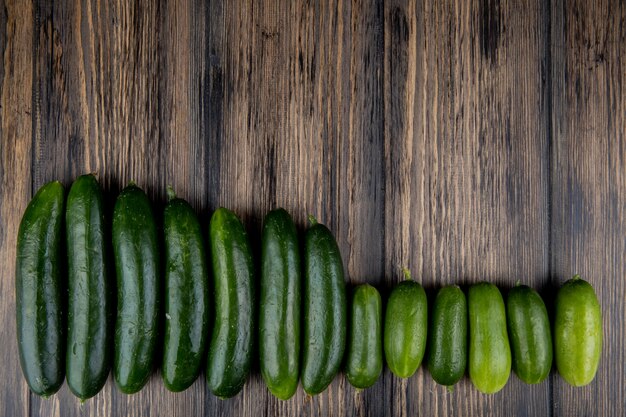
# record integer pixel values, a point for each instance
(589, 183)
(466, 141)
(16, 78)
(466, 162)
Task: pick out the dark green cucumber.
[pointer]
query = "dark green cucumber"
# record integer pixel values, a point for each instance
(186, 296)
(90, 307)
(447, 336)
(137, 266)
(529, 334)
(489, 351)
(324, 339)
(231, 346)
(279, 322)
(577, 332)
(38, 288)
(406, 324)
(365, 347)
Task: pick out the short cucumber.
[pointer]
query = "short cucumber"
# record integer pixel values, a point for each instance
(38, 289)
(489, 351)
(325, 320)
(90, 306)
(186, 296)
(406, 327)
(447, 336)
(279, 321)
(529, 334)
(138, 292)
(577, 332)
(365, 350)
(232, 342)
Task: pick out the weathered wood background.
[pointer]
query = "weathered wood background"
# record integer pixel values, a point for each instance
(467, 140)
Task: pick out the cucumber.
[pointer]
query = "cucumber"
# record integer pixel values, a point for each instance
(365, 350)
(186, 296)
(529, 333)
(38, 289)
(577, 332)
(230, 349)
(325, 320)
(447, 336)
(406, 327)
(489, 350)
(90, 304)
(138, 292)
(279, 322)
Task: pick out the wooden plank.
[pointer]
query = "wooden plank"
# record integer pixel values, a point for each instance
(227, 126)
(302, 121)
(466, 145)
(418, 131)
(184, 60)
(235, 138)
(361, 174)
(96, 74)
(589, 183)
(16, 82)
(121, 93)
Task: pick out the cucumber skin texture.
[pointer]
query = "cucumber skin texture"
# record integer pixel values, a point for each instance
(325, 320)
(232, 342)
(279, 321)
(136, 255)
(38, 288)
(577, 332)
(365, 350)
(529, 334)
(489, 351)
(447, 338)
(90, 303)
(406, 327)
(186, 297)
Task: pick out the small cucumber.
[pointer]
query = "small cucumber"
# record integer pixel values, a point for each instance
(489, 351)
(137, 267)
(406, 327)
(230, 349)
(38, 289)
(365, 351)
(447, 336)
(529, 333)
(90, 307)
(577, 332)
(325, 320)
(186, 296)
(279, 321)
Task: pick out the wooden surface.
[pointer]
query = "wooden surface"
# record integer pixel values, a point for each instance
(468, 141)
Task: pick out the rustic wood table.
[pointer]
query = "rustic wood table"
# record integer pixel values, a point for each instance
(466, 140)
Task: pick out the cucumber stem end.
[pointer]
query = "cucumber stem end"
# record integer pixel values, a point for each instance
(170, 193)
(406, 273)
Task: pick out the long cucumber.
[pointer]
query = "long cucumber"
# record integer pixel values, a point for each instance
(138, 289)
(38, 288)
(279, 321)
(186, 296)
(90, 306)
(325, 318)
(232, 341)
